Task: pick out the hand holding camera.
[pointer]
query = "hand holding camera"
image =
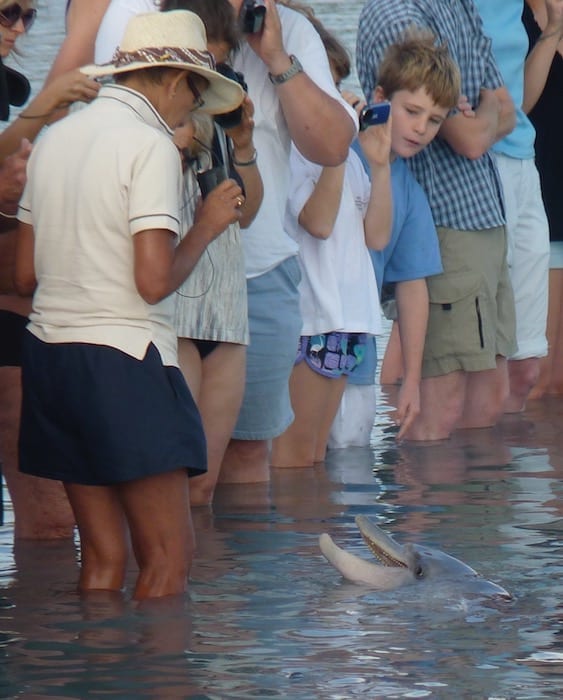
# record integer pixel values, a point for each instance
(252, 16)
(267, 42)
(220, 207)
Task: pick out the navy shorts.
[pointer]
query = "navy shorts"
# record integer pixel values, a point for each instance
(94, 415)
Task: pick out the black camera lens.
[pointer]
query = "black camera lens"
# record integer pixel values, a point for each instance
(230, 119)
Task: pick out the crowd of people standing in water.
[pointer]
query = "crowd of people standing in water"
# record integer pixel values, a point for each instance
(199, 224)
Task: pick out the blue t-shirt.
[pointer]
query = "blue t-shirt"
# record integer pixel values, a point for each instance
(413, 251)
(502, 21)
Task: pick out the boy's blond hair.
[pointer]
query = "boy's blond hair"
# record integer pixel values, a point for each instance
(415, 61)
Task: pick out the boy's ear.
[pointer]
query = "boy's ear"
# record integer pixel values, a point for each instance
(378, 94)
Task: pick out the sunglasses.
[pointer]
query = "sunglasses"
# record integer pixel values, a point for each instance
(11, 15)
(193, 85)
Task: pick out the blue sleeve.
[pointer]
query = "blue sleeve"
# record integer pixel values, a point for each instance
(413, 251)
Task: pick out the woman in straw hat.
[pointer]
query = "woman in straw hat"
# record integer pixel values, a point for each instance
(105, 407)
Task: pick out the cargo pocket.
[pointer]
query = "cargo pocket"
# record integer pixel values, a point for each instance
(456, 323)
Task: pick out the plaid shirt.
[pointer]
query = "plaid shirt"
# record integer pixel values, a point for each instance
(464, 194)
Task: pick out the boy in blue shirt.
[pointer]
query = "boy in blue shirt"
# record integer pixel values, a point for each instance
(422, 83)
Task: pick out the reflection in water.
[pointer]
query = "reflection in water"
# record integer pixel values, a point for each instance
(266, 616)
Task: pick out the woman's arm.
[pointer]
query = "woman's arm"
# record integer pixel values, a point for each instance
(71, 87)
(245, 159)
(83, 21)
(161, 266)
(541, 56)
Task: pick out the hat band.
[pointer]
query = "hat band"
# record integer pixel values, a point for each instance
(157, 56)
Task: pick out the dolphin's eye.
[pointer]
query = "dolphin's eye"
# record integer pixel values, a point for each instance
(418, 572)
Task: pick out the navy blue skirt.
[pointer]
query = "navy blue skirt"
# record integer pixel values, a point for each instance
(94, 415)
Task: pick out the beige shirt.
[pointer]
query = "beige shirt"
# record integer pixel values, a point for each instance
(95, 179)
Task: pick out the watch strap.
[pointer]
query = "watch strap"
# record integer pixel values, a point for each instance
(294, 69)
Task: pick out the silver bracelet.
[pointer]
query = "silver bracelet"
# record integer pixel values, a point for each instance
(244, 163)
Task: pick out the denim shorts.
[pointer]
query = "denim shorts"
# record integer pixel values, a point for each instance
(275, 326)
(332, 354)
(94, 415)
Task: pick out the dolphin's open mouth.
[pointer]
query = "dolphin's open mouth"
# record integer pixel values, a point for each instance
(381, 545)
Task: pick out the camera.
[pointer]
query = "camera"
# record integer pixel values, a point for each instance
(252, 16)
(374, 114)
(233, 118)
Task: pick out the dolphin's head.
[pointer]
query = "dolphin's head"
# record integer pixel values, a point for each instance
(399, 565)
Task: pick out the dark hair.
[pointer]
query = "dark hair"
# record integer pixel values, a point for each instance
(218, 16)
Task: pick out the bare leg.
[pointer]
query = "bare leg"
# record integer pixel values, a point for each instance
(392, 365)
(219, 399)
(158, 512)
(485, 397)
(315, 400)
(556, 384)
(523, 375)
(104, 545)
(554, 329)
(246, 462)
(441, 407)
(41, 508)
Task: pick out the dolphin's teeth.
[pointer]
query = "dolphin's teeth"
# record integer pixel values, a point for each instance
(384, 557)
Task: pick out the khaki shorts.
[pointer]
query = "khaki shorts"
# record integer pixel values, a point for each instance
(471, 318)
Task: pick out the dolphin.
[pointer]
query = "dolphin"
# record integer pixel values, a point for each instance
(405, 565)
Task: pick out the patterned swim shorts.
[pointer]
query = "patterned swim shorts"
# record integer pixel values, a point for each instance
(332, 354)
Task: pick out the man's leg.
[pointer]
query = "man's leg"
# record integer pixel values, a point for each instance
(485, 396)
(441, 407)
(527, 233)
(275, 325)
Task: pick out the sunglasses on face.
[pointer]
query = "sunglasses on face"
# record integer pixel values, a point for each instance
(197, 85)
(11, 15)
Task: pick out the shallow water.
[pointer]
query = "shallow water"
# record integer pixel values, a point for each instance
(267, 617)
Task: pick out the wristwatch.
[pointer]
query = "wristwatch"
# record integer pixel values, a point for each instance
(293, 69)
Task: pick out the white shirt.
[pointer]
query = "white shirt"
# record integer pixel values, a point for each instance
(95, 180)
(338, 289)
(113, 25)
(266, 243)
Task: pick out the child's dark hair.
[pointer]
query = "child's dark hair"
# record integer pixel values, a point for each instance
(415, 61)
(218, 16)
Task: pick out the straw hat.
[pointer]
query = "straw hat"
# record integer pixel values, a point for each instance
(175, 39)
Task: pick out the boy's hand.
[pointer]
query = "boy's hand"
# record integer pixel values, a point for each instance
(376, 143)
(408, 408)
(221, 207)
